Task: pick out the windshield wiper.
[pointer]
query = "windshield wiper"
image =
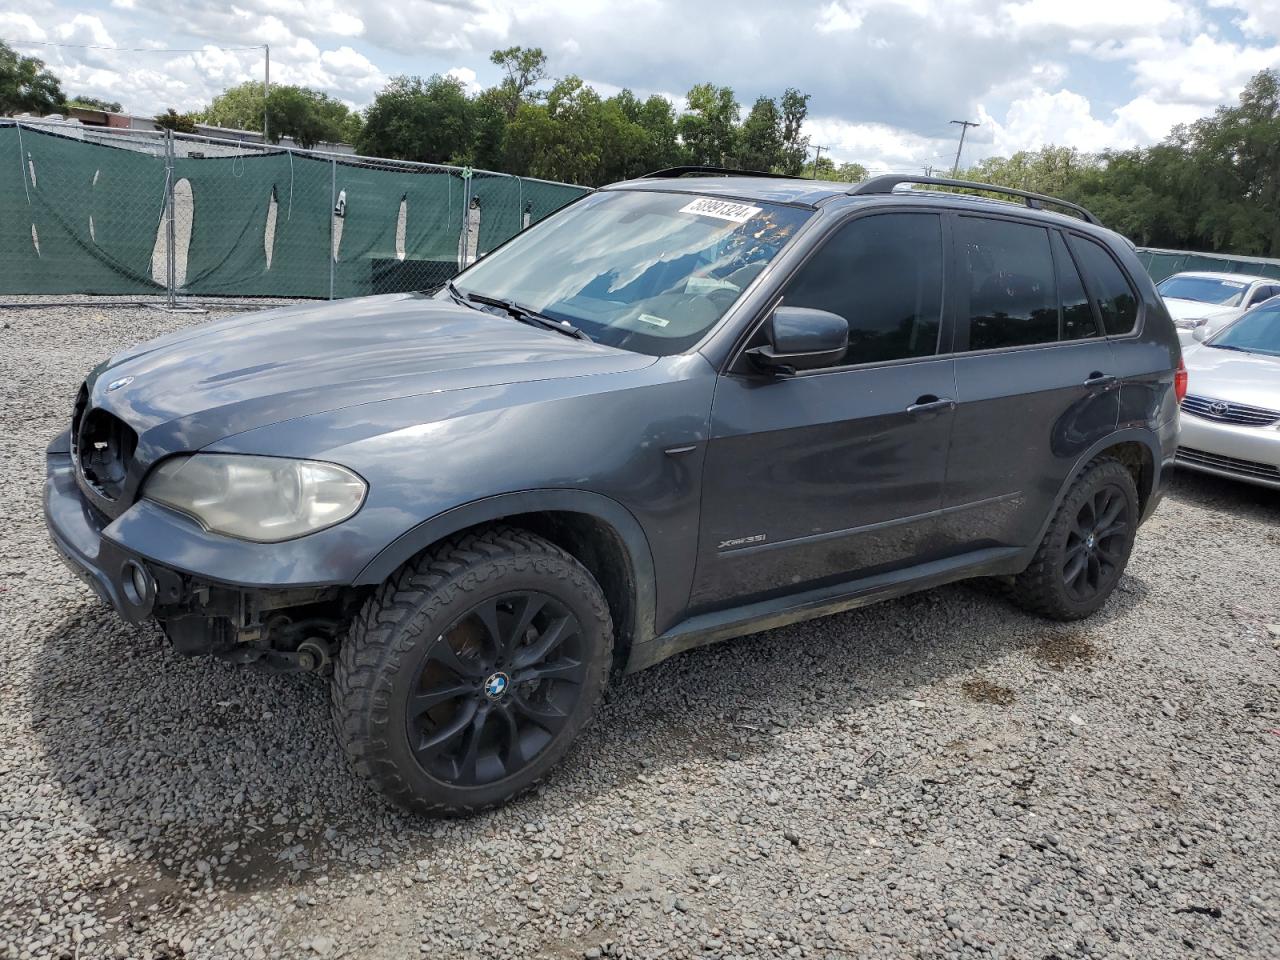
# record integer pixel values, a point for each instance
(458, 296)
(1227, 346)
(531, 317)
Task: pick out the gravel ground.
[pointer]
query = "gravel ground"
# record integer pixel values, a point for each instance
(935, 776)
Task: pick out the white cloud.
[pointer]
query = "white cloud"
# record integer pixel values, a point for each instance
(20, 26)
(1103, 19)
(466, 76)
(1261, 18)
(1206, 71)
(837, 16)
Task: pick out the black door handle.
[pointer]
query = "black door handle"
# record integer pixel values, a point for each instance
(1097, 379)
(930, 404)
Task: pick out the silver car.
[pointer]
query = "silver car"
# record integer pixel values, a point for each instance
(1201, 300)
(1231, 415)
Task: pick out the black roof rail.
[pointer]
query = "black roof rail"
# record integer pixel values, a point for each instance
(887, 183)
(670, 173)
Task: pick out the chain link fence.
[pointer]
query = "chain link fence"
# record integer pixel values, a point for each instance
(178, 216)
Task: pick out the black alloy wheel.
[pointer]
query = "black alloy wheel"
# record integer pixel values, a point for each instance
(1096, 544)
(495, 688)
(471, 671)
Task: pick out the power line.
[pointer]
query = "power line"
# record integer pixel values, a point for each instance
(964, 128)
(97, 46)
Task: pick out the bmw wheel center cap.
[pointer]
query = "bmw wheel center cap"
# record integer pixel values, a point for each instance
(496, 686)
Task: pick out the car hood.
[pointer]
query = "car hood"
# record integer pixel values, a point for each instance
(1248, 378)
(188, 389)
(1181, 309)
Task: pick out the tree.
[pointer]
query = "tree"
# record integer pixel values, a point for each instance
(93, 103)
(26, 86)
(525, 69)
(824, 168)
(760, 145)
(708, 128)
(238, 108)
(414, 119)
(307, 116)
(795, 146)
(171, 119)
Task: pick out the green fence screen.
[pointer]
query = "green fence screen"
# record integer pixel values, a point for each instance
(78, 215)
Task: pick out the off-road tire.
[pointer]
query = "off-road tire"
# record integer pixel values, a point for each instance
(1041, 588)
(375, 669)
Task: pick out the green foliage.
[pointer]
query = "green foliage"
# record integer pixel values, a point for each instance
(795, 108)
(824, 168)
(26, 86)
(171, 119)
(524, 68)
(760, 143)
(307, 116)
(93, 103)
(238, 108)
(414, 119)
(709, 127)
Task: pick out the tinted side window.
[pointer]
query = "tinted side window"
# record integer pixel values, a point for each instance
(1013, 298)
(1115, 298)
(1078, 320)
(883, 274)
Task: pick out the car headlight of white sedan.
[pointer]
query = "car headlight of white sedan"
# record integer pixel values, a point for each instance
(263, 499)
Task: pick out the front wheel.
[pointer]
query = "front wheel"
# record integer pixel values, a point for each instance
(1086, 548)
(471, 671)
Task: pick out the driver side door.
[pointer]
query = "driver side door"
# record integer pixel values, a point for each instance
(837, 473)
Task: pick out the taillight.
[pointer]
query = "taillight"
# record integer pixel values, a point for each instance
(1180, 381)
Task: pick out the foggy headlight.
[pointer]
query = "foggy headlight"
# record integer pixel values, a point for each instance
(264, 499)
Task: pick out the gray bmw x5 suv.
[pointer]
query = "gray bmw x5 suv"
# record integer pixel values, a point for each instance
(684, 408)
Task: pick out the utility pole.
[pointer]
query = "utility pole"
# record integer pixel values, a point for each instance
(818, 148)
(928, 169)
(266, 90)
(964, 128)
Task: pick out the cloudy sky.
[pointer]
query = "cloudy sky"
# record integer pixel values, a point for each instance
(886, 75)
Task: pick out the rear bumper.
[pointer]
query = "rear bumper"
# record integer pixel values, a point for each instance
(1251, 454)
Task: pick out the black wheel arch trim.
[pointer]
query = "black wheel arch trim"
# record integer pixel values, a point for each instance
(1131, 435)
(503, 506)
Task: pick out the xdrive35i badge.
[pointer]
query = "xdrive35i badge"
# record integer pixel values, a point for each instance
(741, 541)
(117, 384)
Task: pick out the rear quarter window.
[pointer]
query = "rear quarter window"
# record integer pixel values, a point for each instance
(1108, 286)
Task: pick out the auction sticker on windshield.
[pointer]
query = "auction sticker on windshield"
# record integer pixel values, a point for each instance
(721, 209)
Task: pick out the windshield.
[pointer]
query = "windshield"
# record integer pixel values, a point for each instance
(649, 272)
(1258, 331)
(1224, 293)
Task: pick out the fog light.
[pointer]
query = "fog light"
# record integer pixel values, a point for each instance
(139, 585)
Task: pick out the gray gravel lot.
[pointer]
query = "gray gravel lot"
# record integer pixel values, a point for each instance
(936, 776)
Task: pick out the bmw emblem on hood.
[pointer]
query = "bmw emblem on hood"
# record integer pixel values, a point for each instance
(117, 384)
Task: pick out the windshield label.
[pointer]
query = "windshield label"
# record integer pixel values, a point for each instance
(656, 321)
(721, 209)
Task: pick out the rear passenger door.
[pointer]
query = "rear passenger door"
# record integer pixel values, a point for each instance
(1035, 378)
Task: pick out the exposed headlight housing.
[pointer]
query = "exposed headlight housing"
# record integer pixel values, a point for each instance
(263, 499)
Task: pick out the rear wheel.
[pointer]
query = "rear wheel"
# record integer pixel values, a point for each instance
(471, 671)
(1086, 548)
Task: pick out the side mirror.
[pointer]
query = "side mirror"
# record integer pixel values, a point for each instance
(801, 338)
(1200, 333)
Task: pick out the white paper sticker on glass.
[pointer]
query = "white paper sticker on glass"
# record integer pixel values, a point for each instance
(729, 210)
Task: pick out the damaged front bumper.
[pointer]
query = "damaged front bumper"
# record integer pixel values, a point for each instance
(151, 563)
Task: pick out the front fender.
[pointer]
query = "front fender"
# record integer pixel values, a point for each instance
(491, 509)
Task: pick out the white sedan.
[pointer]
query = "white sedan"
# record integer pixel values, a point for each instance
(1230, 422)
(1212, 300)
